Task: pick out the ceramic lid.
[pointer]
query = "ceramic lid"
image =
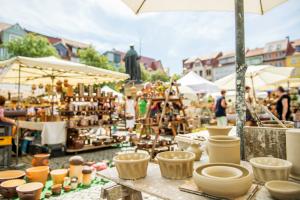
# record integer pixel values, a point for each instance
(11, 174)
(76, 160)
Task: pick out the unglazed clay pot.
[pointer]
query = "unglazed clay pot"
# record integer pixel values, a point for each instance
(76, 166)
(195, 148)
(218, 130)
(132, 165)
(40, 160)
(224, 149)
(284, 190)
(268, 168)
(8, 188)
(221, 186)
(38, 174)
(293, 146)
(222, 172)
(58, 176)
(30, 191)
(11, 174)
(176, 164)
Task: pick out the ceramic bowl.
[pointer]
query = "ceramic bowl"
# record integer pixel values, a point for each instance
(283, 190)
(222, 172)
(38, 174)
(223, 187)
(8, 188)
(132, 165)
(58, 176)
(30, 191)
(11, 174)
(218, 130)
(176, 164)
(268, 168)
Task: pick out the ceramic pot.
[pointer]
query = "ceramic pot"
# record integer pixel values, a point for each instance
(76, 166)
(87, 176)
(11, 174)
(218, 130)
(268, 168)
(195, 148)
(56, 189)
(132, 166)
(58, 176)
(293, 146)
(221, 186)
(40, 160)
(176, 164)
(283, 190)
(223, 149)
(8, 188)
(222, 172)
(30, 191)
(38, 174)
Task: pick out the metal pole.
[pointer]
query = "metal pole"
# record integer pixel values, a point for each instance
(240, 72)
(19, 86)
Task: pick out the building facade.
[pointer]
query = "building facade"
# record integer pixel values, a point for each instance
(226, 66)
(255, 56)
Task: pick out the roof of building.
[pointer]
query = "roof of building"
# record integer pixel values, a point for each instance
(295, 43)
(254, 52)
(4, 26)
(75, 43)
(210, 56)
(280, 45)
(227, 54)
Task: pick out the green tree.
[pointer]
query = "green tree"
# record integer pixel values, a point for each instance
(145, 74)
(175, 77)
(159, 75)
(90, 56)
(30, 46)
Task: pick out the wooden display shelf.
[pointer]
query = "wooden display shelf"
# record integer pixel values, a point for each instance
(90, 147)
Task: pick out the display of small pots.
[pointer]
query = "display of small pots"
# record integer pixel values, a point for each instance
(223, 149)
(283, 190)
(218, 130)
(40, 160)
(8, 188)
(293, 146)
(132, 166)
(38, 174)
(58, 176)
(78, 143)
(221, 186)
(30, 191)
(268, 168)
(176, 164)
(11, 174)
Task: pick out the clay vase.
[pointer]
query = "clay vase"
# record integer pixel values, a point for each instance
(58, 176)
(38, 174)
(195, 148)
(40, 160)
(8, 188)
(293, 146)
(30, 191)
(76, 166)
(224, 149)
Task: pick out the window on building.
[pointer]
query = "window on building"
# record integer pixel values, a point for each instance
(278, 47)
(74, 50)
(270, 48)
(293, 60)
(208, 72)
(12, 37)
(200, 73)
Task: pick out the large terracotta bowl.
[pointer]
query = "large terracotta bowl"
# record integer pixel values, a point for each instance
(38, 174)
(11, 174)
(30, 191)
(283, 190)
(58, 176)
(268, 168)
(176, 164)
(218, 130)
(132, 166)
(220, 186)
(8, 188)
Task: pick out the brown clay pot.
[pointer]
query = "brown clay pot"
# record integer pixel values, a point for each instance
(30, 191)
(58, 176)
(8, 188)
(38, 174)
(11, 174)
(40, 160)
(56, 189)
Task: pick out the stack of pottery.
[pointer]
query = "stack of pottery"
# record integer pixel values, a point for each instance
(283, 190)
(224, 149)
(30, 191)
(292, 147)
(195, 148)
(58, 176)
(223, 179)
(8, 188)
(218, 130)
(38, 174)
(76, 166)
(40, 160)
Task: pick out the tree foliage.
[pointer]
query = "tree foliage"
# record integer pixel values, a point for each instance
(176, 77)
(159, 75)
(30, 46)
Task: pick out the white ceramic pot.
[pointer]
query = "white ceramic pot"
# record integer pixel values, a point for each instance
(292, 147)
(283, 190)
(218, 130)
(222, 172)
(221, 186)
(195, 148)
(268, 168)
(224, 149)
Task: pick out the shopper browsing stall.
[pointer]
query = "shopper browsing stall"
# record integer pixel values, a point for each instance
(283, 104)
(220, 109)
(2, 117)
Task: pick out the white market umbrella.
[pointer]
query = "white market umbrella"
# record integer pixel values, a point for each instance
(286, 83)
(115, 93)
(188, 92)
(197, 83)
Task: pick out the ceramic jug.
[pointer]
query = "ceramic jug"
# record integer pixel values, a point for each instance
(195, 148)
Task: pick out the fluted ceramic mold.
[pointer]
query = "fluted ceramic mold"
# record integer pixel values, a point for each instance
(132, 166)
(223, 187)
(176, 164)
(218, 130)
(268, 168)
(284, 190)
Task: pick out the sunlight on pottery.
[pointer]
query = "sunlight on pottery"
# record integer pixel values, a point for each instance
(284, 190)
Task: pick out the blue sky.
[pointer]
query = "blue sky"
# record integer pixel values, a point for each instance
(169, 37)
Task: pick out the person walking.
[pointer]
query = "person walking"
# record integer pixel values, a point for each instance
(220, 109)
(283, 104)
(130, 113)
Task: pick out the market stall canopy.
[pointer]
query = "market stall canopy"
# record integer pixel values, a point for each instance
(42, 70)
(197, 83)
(286, 83)
(262, 75)
(108, 89)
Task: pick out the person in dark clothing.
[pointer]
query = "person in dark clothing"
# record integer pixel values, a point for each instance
(283, 104)
(220, 110)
